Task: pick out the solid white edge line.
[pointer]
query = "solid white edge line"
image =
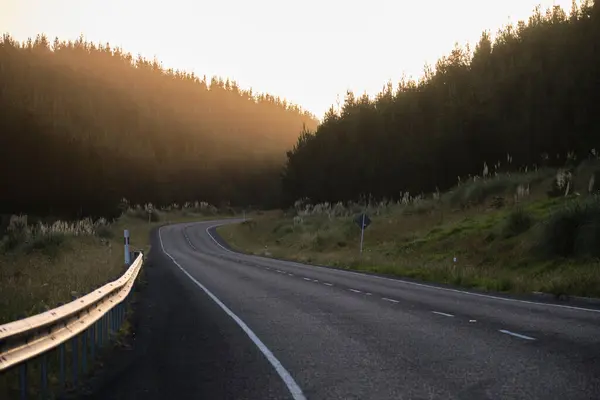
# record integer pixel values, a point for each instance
(443, 313)
(416, 283)
(517, 335)
(289, 381)
(392, 300)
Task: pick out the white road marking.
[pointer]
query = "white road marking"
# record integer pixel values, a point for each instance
(188, 240)
(537, 303)
(307, 279)
(289, 381)
(355, 291)
(327, 284)
(442, 313)
(267, 268)
(281, 272)
(316, 280)
(291, 274)
(392, 300)
(369, 294)
(517, 335)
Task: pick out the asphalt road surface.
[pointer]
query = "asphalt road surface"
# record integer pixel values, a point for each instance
(214, 324)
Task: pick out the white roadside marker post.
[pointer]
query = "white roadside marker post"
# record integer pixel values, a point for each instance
(127, 254)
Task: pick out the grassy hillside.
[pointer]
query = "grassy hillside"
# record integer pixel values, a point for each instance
(43, 265)
(102, 125)
(531, 231)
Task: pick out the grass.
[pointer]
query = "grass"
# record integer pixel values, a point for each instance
(496, 243)
(43, 266)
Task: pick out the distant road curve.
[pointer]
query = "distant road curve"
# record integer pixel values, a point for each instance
(215, 324)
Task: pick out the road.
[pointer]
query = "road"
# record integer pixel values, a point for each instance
(214, 324)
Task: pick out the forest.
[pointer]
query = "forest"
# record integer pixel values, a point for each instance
(85, 125)
(528, 97)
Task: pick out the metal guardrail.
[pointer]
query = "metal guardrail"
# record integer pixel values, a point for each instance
(94, 316)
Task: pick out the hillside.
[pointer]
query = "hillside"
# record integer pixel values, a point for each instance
(531, 92)
(84, 125)
(521, 232)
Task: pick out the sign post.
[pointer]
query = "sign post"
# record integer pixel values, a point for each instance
(363, 221)
(127, 254)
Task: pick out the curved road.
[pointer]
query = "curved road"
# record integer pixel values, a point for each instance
(214, 324)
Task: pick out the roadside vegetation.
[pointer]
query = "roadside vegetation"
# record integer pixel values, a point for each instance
(513, 232)
(44, 264)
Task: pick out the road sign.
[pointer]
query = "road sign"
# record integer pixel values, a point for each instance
(362, 220)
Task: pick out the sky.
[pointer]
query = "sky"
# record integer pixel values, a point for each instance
(309, 52)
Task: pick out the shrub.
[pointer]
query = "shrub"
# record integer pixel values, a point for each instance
(17, 232)
(104, 232)
(517, 222)
(479, 190)
(249, 223)
(148, 212)
(562, 184)
(573, 230)
(48, 242)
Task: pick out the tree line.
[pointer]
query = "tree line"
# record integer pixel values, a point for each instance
(85, 125)
(532, 93)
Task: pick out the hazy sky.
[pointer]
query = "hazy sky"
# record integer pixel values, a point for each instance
(306, 51)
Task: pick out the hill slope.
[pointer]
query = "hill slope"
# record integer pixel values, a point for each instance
(531, 93)
(84, 125)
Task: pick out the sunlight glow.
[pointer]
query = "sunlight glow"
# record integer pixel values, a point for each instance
(307, 52)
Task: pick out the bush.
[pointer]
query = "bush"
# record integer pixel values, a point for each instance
(478, 191)
(148, 212)
(17, 232)
(517, 222)
(573, 230)
(562, 184)
(48, 242)
(104, 232)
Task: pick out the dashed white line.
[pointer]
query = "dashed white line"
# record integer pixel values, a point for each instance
(281, 272)
(392, 300)
(442, 313)
(355, 291)
(316, 280)
(327, 284)
(396, 280)
(291, 275)
(307, 279)
(517, 335)
(369, 294)
(188, 240)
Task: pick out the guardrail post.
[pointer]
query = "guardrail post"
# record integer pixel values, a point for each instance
(23, 380)
(121, 313)
(100, 331)
(75, 345)
(84, 351)
(44, 372)
(61, 356)
(105, 326)
(93, 340)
